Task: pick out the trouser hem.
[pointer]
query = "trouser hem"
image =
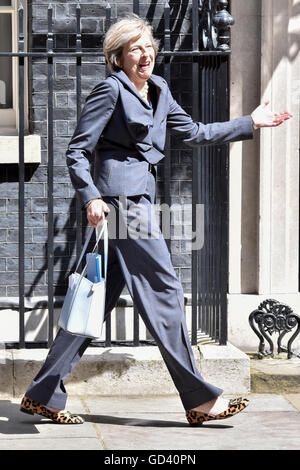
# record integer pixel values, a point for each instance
(199, 396)
(44, 396)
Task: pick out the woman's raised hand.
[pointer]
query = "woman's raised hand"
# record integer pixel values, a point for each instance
(95, 212)
(262, 116)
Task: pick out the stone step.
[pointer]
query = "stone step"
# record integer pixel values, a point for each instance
(275, 375)
(127, 371)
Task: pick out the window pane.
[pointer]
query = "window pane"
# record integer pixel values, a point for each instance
(5, 3)
(5, 62)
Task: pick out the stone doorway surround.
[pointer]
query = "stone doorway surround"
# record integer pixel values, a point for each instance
(264, 173)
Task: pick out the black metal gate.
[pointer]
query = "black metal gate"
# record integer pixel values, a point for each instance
(210, 64)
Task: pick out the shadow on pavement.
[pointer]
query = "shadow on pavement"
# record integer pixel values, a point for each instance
(13, 421)
(119, 421)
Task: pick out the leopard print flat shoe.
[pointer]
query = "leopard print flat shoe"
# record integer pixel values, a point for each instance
(31, 407)
(235, 406)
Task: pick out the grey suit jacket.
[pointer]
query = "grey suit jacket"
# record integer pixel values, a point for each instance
(120, 127)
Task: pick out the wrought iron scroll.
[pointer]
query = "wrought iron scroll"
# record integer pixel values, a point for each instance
(271, 317)
(215, 23)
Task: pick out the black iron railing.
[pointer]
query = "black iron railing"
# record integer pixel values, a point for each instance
(209, 269)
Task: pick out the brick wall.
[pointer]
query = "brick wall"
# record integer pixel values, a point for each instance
(93, 70)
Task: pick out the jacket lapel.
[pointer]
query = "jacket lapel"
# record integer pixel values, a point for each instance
(157, 81)
(125, 80)
(162, 105)
(144, 128)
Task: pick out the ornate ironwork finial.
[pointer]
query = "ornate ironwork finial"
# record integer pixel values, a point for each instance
(223, 20)
(50, 30)
(21, 28)
(78, 31)
(215, 22)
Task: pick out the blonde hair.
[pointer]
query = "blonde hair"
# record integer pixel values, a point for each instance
(120, 33)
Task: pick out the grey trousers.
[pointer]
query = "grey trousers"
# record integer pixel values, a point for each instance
(144, 264)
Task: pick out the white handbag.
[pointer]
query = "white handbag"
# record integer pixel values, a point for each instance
(83, 309)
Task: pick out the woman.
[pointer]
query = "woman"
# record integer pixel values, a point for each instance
(124, 120)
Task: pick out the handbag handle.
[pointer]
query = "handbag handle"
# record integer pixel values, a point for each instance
(103, 230)
(105, 239)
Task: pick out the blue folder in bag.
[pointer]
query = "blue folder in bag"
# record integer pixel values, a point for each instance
(93, 273)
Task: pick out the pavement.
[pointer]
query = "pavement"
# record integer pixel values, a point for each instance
(157, 424)
(270, 422)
